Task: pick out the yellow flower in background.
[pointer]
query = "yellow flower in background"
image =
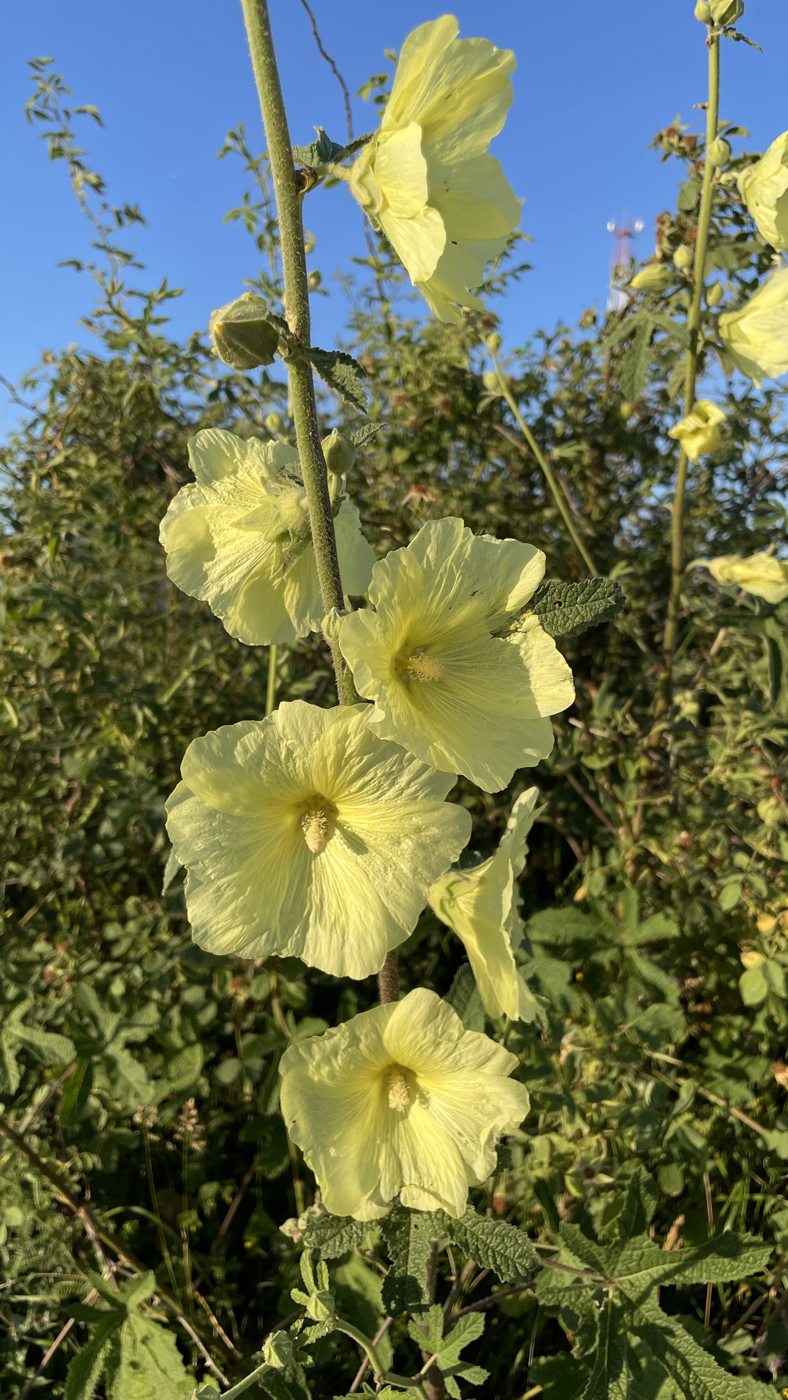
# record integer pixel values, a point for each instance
(699, 432)
(239, 539)
(482, 906)
(764, 189)
(756, 334)
(401, 1101)
(426, 179)
(760, 574)
(446, 688)
(304, 834)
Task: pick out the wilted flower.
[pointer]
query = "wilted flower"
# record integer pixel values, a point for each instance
(699, 432)
(426, 179)
(239, 538)
(401, 1101)
(304, 834)
(760, 574)
(756, 334)
(481, 905)
(764, 189)
(444, 685)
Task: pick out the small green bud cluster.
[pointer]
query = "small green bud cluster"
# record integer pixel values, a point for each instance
(242, 333)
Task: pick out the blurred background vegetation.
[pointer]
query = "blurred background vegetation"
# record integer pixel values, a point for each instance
(138, 1074)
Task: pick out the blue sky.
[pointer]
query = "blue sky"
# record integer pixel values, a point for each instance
(596, 79)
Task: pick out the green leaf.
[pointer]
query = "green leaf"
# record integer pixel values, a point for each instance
(691, 1368)
(75, 1092)
(642, 1266)
(463, 996)
(689, 194)
(494, 1244)
(324, 151)
(341, 373)
(446, 1350)
(641, 1202)
(561, 1377)
(334, 1235)
(150, 1364)
(633, 371)
(408, 1236)
(87, 1367)
(609, 1379)
(567, 609)
(362, 435)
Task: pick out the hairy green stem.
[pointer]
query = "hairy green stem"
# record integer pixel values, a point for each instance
(366, 1343)
(296, 287)
(270, 690)
(693, 327)
(546, 468)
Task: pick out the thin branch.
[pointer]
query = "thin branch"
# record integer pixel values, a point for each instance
(332, 65)
(381, 1332)
(590, 802)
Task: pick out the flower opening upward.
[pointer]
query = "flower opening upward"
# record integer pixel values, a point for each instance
(446, 688)
(699, 432)
(401, 1101)
(426, 179)
(761, 574)
(756, 334)
(482, 906)
(304, 834)
(239, 538)
(764, 189)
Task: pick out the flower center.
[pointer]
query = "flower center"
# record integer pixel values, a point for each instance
(398, 1088)
(316, 821)
(420, 667)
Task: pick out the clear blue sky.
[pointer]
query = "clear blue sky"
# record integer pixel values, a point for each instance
(596, 79)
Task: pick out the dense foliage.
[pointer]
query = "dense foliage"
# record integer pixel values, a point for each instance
(139, 1135)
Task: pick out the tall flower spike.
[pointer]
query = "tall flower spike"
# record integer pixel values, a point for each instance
(400, 1102)
(239, 539)
(426, 179)
(482, 906)
(756, 334)
(445, 687)
(304, 834)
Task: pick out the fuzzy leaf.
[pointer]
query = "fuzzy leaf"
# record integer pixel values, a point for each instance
(693, 1370)
(408, 1236)
(634, 367)
(334, 1235)
(494, 1244)
(463, 996)
(87, 1367)
(341, 373)
(567, 609)
(150, 1363)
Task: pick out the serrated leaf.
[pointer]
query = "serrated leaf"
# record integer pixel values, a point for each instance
(86, 1369)
(567, 609)
(563, 925)
(325, 151)
(561, 1377)
(341, 373)
(75, 1091)
(494, 1244)
(633, 370)
(739, 38)
(692, 1369)
(150, 1364)
(334, 1235)
(408, 1236)
(641, 1202)
(362, 435)
(463, 996)
(610, 1375)
(642, 1266)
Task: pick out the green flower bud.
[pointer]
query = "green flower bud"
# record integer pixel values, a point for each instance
(493, 343)
(241, 333)
(714, 294)
(719, 152)
(315, 279)
(726, 11)
(703, 11)
(626, 409)
(490, 380)
(339, 452)
(683, 258)
(278, 1350)
(275, 423)
(654, 277)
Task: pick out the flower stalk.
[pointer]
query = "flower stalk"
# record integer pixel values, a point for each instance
(545, 466)
(296, 299)
(693, 327)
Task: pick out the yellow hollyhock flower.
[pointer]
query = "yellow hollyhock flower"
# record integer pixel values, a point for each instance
(760, 574)
(764, 189)
(756, 334)
(400, 1101)
(426, 179)
(699, 432)
(482, 906)
(303, 834)
(239, 538)
(445, 687)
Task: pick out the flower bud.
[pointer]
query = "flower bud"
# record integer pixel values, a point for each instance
(241, 333)
(339, 452)
(719, 151)
(683, 258)
(714, 294)
(278, 1350)
(493, 343)
(275, 423)
(315, 279)
(726, 11)
(490, 380)
(703, 11)
(654, 277)
(626, 409)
